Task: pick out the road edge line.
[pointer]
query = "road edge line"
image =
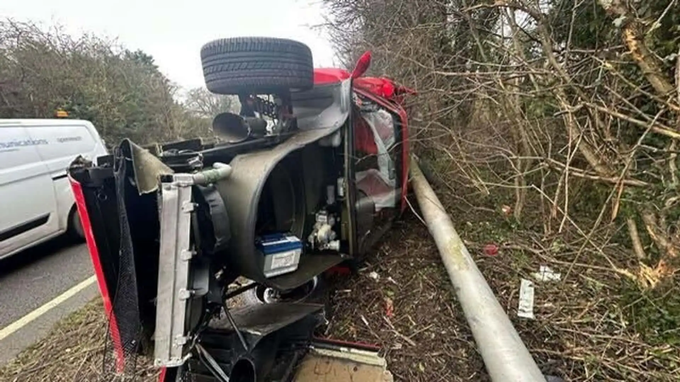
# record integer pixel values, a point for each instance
(32, 316)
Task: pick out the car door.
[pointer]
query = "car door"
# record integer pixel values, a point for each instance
(29, 206)
(377, 168)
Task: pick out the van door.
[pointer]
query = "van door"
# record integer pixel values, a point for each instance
(29, 206)
(65, 143)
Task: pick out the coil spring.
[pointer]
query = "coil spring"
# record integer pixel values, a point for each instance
(265, 107)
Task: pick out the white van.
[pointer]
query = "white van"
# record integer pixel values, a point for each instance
(35, 194)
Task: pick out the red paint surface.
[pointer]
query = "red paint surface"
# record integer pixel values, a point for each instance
(362, 65)
(99, 271)
(491, 250)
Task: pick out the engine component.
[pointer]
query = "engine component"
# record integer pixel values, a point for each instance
(341, 187)
(330, 194)
(311, 292)
(236, 129)
(281, 253)
(323, 236)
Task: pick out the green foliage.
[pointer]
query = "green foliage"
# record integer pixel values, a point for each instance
(665, 31)
(589, 197)
(121, 91)
(540, 107)
(656, 313)
(594, 29)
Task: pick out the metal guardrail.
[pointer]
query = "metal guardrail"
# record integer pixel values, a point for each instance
(505, 355)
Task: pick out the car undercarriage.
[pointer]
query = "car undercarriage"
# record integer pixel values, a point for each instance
(212, 254)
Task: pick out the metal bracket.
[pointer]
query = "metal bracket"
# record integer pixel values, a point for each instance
(187, 255)
(212, 365)
(180, 341)
(188, 207)
(185, 294)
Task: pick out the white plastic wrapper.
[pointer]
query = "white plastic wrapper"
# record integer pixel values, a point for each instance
(526, 300)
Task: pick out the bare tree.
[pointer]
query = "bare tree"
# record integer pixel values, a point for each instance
(565, 103)
(205, 104)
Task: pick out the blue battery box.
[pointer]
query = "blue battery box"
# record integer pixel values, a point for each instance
(281, 253)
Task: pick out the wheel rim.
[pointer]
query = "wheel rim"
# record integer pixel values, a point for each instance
(268, 295)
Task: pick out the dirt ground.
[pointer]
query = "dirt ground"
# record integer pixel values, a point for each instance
(589, 326)
(73, 351)
(403, 301)
(582, 331)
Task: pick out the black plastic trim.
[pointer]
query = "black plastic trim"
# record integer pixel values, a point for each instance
(24, 227)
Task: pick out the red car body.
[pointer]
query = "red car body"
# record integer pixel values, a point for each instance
(91, 184)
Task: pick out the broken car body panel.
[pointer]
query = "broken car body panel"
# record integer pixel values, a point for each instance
(166, 247)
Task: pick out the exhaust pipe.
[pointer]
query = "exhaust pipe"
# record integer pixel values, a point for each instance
(505, 355)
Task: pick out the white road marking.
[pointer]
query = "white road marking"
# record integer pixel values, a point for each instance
(25, 320)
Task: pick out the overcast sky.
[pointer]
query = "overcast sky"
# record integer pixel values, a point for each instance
(173, 31)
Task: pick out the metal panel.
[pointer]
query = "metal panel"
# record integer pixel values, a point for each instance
(241, 192)
(263, 319)
(174, 290)
(173, 271)
(344, 364)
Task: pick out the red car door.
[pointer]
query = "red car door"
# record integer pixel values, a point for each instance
(378, 171)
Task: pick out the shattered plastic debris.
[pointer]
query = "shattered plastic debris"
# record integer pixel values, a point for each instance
(374, 275)
(526, 299)
(491, 250)
(545, 273)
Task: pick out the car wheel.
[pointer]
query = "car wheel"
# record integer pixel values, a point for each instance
(256, 65)
(75, 226)
(313, 292)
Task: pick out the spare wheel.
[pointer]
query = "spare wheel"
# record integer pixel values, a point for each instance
(257, 65)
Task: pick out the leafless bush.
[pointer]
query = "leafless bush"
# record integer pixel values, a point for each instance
(571, 105)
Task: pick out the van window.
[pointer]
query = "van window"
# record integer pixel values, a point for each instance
(17, 148)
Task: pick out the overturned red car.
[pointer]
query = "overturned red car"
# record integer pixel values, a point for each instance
(211, 254)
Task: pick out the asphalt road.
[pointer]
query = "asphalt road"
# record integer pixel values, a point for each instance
(33, 278)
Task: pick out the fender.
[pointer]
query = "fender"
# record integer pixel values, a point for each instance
(242, 191)
(241, 194)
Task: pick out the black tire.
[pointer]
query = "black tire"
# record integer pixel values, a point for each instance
(256, 65)
(75, 226)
